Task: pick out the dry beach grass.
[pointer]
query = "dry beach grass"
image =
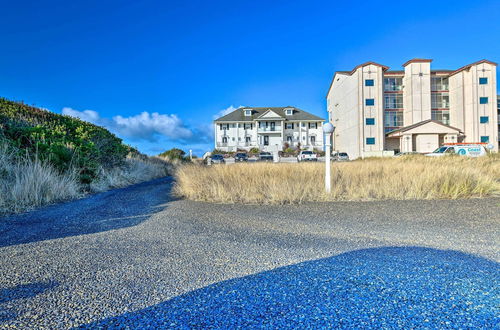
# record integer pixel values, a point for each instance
(411, 177)
(27, 183)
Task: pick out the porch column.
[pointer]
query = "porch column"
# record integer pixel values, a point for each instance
(215, 135)
(237, 135)
(256, 134)
(282, 133)
(300, 134)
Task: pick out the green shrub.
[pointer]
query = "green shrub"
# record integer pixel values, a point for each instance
(65, 142)
(173, 153)
(218, 152)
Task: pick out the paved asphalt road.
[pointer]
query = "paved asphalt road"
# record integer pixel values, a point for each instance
(136, 258)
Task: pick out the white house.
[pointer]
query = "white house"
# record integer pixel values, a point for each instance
(268, 129)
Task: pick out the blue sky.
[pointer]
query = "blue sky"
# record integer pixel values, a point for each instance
(157, 72)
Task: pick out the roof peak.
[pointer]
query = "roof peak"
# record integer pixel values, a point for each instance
(417, 60)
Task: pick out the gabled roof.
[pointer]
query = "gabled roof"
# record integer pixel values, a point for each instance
(366, 64)
(410, 127)
(270, 112)
(350, 73)
(417, 60)
(468, 66)
(238, 115)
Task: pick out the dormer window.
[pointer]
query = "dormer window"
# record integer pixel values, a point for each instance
(248, 112)
(289, 112)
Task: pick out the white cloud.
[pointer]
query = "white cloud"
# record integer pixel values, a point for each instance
(145, 126)
(225, 111)
(87, 115)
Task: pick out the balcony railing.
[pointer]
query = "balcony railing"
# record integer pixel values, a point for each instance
(270, 129)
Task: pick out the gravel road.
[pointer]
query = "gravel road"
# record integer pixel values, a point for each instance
(135, 257)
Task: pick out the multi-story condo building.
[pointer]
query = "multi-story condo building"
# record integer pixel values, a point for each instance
(268, 129)
(378, 112)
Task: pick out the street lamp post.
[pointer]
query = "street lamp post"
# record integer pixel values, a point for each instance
(328, 130)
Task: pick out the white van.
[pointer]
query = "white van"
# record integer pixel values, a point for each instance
(469, 150)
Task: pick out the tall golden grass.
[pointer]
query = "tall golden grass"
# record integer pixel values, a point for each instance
(410, 177)
(134, 170)
(27, 182)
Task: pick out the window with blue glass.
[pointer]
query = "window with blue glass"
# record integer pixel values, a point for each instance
(369, 82)
(485, 139)
(483, 81)
(370, 121)
(370, 140)
(483, 100)
(370, 102)
(484, 119)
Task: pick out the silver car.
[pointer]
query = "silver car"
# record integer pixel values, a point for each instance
(340, 157)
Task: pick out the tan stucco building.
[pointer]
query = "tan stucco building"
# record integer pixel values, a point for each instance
(379, 112)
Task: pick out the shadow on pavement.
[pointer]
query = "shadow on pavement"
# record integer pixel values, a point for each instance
(22, 291)
(403, 287)
(110, 210)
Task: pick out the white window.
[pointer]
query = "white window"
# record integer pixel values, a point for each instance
(289, 125)
(439, 83)
(289, 112)
(440, 100)
(303, 124)
(393, 84)
(248, 113)
(393, 101)
(313, 125)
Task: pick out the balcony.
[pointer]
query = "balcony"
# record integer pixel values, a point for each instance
(276, 129)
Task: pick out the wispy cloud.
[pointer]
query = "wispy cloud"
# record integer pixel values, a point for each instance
(144, 126)
(225, 111)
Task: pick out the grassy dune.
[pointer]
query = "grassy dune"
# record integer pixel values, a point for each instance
(46, 157)
(28, 182)
(414, 177)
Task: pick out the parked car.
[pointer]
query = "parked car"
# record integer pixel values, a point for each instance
(241, 157)
(340, 157)
(305, 156)
(266, 156)
(406, 153)
(217, 159)
(469, 150)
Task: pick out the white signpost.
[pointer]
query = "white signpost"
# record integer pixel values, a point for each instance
(328, 130)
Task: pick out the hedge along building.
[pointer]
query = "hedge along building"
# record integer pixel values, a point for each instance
(378, 112)
(268, 129)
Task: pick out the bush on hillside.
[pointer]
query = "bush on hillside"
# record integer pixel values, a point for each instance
(64, 142)
(173, 154)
